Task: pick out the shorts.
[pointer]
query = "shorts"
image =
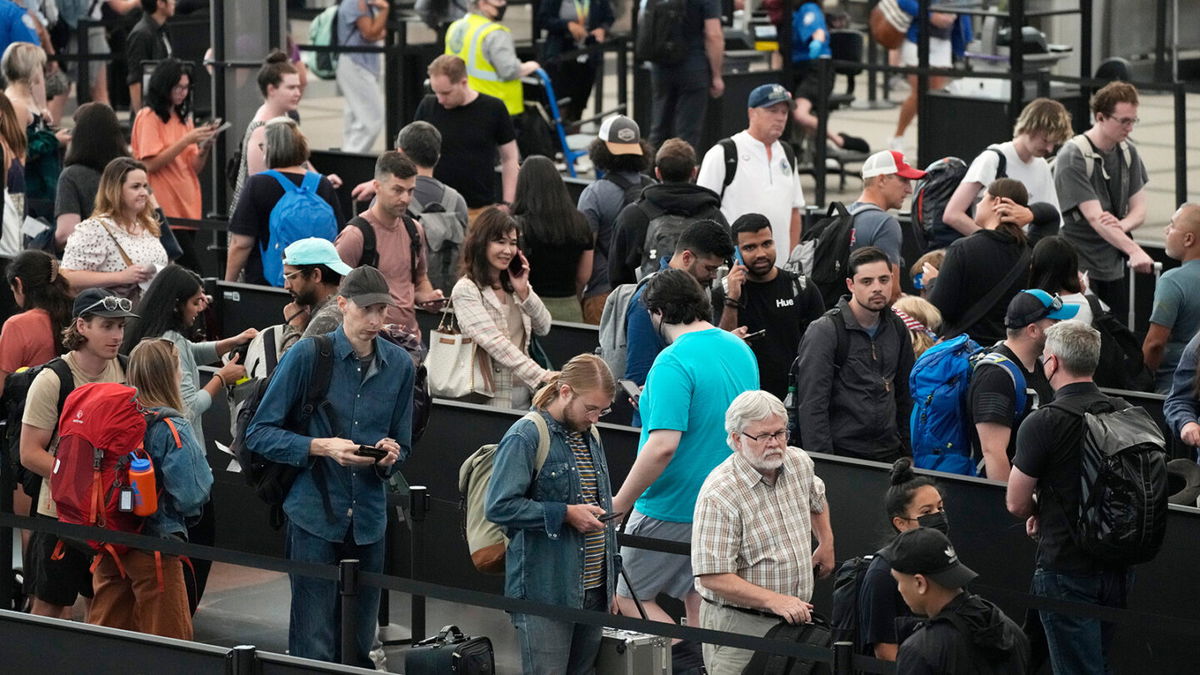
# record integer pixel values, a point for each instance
(58, 582)
(806, 81)
(97, 45)
(652, 572)
(57, 83)
(939, 53)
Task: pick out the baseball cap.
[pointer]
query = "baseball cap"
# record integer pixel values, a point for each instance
(366, 286)
(767, 95)
(886, 162)
(315, 251)
(621, 135)
(928, 552)
(101, 302)
(1034, 304)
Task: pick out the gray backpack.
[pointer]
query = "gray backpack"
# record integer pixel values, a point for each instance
(661, 236)
(443, 238)
(613, 344)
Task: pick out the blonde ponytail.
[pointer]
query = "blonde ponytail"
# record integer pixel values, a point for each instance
(585, 372)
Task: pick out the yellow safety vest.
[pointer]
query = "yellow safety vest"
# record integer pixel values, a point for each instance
(464, 39)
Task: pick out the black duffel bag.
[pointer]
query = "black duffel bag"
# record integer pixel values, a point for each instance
(451, 652)
(817, 633)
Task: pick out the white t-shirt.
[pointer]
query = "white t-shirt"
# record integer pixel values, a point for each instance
(1035, 174)
(770, 187)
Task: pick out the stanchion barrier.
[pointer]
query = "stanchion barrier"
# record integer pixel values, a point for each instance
(348, 592)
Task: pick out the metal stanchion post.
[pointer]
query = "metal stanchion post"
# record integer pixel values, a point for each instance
(419, 506)
(83, 83)
(1181, 167)
(623, 78)
(825, 73)
(1016, 58)
(843, 656)
(348, 589)
(7, 484)
(241, 660)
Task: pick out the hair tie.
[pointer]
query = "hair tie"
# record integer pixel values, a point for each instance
(53, 269)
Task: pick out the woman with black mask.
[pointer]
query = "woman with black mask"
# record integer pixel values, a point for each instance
(912, 501)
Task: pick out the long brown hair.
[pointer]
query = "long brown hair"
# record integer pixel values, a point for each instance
(12, 132)
(491, 225)
(585, 372)
(108, 197)
(1007, 188)
(154, 372)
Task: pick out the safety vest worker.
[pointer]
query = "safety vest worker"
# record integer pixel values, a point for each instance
(486, 46)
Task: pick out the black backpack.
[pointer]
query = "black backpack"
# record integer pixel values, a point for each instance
(370, 252)
(1122, 513)
(824, 251)
(660, 37)
(817, 633)
(272, 480)
(933, 192)
(662, 234)
(846, 584)
(1121, 365)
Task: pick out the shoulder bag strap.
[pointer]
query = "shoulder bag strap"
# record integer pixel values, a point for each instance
(981, 307)
(120, 249)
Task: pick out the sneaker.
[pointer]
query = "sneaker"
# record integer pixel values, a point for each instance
(896, 143)
(379, 658)
(855, 144)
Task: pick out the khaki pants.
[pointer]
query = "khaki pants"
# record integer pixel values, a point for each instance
(593, 308)
(722, 660)
(135, 601)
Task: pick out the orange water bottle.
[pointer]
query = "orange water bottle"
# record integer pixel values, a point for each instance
(145, 492)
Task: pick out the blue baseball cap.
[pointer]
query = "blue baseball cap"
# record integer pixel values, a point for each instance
(315, 251)
(767, 95)
(1034, 304)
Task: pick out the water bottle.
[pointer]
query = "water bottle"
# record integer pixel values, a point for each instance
(145, 492)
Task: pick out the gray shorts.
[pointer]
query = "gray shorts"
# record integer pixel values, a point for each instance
(97, 44)
(652, 572)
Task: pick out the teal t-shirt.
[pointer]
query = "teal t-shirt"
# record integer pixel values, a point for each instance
(1176, 308)
(689, 388)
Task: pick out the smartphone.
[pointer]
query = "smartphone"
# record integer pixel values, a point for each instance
(634, 391)
(371, 451)
(434, 305)
(515, 265)
(611, 515)
(756, 334)
(222, 127)
(737, 256)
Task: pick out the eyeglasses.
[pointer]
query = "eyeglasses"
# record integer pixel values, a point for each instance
(1125, 121)
(111, 303)
(292, 275)
(591, 409)
(1056, 304)
(779, 436)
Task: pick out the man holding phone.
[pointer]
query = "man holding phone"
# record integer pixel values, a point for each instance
(759, 299)
(388, 229)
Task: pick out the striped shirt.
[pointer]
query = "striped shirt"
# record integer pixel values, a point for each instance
(758, 531)
(593, 542)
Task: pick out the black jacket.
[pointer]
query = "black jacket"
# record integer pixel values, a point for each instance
(969, 636)
(861, 407)
(974, 265)
(629, 231)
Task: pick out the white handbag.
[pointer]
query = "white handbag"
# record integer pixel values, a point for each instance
(455, 365)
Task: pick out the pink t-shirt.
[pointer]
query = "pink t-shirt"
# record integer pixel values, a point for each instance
(176, 185)
(27, 339)
(395, 262)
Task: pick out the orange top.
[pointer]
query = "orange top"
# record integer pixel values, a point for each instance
(176, 186)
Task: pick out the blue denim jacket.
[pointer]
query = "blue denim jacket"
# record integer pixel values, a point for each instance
(544, 561)
(184, 476)
(367, 410)
(1182, 405)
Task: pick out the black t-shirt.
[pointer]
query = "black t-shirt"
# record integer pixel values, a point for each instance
(471, 135)
(252, 215)
(879, 605)
(993, 399)
(1048, 450)
(552, 268)
(785, 314)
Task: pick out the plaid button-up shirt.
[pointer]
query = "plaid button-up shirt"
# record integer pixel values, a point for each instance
(758, 531)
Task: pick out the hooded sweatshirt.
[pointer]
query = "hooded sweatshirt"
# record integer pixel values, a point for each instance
(629, 234)
(969, 636)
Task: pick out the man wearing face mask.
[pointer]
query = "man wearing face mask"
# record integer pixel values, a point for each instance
(759, 299)
(487, 47)
(764, 492)
(999, 398)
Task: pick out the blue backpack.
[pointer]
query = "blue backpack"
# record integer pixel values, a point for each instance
(939, 382)
(299, 213)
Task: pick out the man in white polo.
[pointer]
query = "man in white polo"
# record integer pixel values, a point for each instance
(764, 171)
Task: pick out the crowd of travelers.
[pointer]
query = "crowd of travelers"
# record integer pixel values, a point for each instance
(716, 312)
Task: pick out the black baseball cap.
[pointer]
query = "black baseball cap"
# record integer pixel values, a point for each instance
(928, 552)
(102, 302)
(366, 286)
(1033, 304)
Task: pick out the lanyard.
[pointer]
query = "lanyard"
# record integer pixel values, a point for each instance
(581, 11)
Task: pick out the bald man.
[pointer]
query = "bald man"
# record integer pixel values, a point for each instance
(1176, 315)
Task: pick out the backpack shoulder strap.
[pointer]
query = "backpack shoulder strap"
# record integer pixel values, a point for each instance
(66, 380)
(414, 244)
(1084, 145)
(841, 350)
(863, 207)
(1001, 162)
(370, 256)
(270, 350)
(284, 182)
(1014, 372)
(543, 447)
(618, 180)
(731, 162)
(789, 152)
(318, 383)
(312, 180)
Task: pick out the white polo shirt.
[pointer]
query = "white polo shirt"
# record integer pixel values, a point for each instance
(770, 187)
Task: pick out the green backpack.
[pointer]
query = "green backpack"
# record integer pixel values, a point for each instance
(323, 33)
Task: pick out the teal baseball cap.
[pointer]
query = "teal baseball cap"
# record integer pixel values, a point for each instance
(314, 251)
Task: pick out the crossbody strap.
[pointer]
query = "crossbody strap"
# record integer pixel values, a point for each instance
(981, 307)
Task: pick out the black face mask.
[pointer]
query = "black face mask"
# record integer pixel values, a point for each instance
(499, 12)
(935, 521)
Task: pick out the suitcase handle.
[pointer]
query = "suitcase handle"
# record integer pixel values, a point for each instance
(448, 635)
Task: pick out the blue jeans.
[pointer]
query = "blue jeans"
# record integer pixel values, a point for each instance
(315, 628)
(1079, 644)
(550, 647)
(680, 98)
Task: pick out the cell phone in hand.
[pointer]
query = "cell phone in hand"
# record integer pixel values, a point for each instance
(516, 265)
(371, 451)
(221, 127)
(611, 515)
(737, 256)
(634, 391)
(434, 305)
(756, 334)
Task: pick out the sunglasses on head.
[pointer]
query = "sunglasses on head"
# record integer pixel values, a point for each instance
(111, 303)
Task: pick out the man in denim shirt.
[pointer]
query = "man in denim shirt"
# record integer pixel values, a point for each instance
(337, 507)
(559, 553)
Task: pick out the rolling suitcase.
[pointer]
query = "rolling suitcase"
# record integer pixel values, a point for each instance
(625, 652)
(451, 652)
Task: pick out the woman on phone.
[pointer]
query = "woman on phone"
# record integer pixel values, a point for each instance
(497, 308)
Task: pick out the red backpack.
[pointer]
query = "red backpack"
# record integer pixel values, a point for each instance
(100, 426)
